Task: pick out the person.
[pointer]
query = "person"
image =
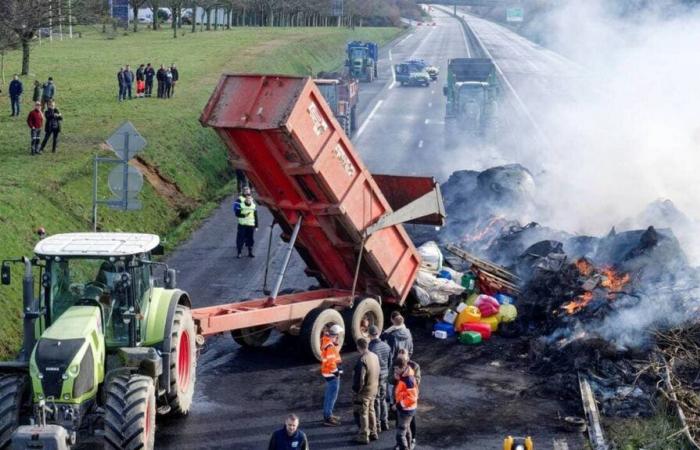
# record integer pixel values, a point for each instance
(289, 437)
(331, 370)
(383, 352)
(241, 181)
(168, 83)
(41, 232)
(35, 120)
(15, 92)
(406, 397)
(365, 384)
(176, 77)
(160, 78)
(416, 373)
(149, 73)
(128, 81)
(48, 92)
(397, 336)
(140, 81)
(53, 126)
(121, 85)
(245, 210)
(36, 95)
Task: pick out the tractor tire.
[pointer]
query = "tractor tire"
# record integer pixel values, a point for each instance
(360, 317)
(313, 326)
(183, 362)
(130, 413)
(252, 337)
(14, 391)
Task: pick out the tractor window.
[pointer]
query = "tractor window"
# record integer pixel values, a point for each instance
(70, 282)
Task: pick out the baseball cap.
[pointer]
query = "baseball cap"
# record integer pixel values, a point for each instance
(335, 330)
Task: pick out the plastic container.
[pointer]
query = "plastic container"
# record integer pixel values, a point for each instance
(470, 338)
(483, 329)
(439, 334)
(450, 316)
(469, 281)
(444, 274)
(507, 313)
(470, 314)
(491, 321)
(472, 299)
(504, 299)
(461, 307)
(488, 310)
(446, 327)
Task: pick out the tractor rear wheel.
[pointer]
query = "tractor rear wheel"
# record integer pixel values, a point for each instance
(14, 390)
(359, 318)
(130, 413)
(314, 324)
(183, 362)
(253, 336)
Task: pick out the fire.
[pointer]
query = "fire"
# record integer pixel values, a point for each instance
(578, 303)
(613, 281)
(584, 266)
(479, 235)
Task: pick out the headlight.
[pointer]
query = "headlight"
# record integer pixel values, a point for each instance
(73, 370)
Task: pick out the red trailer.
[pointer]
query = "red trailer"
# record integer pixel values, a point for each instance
(280, 131)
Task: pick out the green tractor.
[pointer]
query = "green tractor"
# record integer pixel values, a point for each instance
(104, 350)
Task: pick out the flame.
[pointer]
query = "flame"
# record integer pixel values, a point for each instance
(578, 303)
(613, 281)
(584, 266)
(479, 235)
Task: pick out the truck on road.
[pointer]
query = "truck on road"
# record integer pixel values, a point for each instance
(342, 95)
(362, 59)
(472, 92)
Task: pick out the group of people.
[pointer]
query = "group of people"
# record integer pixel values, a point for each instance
(45, 114)
(142, 80)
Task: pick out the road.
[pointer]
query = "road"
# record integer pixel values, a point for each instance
(469, 399)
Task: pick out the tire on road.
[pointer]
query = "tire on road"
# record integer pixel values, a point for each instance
(253, 337)
(130, 413)
(14, 391)
(313, 326)
(183, 362)
(360, 317)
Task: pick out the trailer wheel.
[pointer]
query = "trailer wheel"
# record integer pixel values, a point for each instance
(183, 362)
(353, 119)
(252, 336)
(130, 413)
(365, 313)
(313, 326)
(14, 390)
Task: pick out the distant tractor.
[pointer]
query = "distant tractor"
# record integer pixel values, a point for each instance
(341, 94)
(362, 59)
(472, 92)
(104, 350)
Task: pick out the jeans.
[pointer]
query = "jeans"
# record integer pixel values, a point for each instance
(245, 236)
(403, 429)
(14, 100)
(36, 140)
(332, 388)
(122, 92)
(381, 409)
(149, 87)
(127, 88)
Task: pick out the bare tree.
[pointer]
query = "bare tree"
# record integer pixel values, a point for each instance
(8, 41)
(176, 10)
(155, 7)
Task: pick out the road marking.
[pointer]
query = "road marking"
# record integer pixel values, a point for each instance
(369, 117)
(404, 39)
(427, 121)
(390, 57)
(393, 83)
(430, 104)
(466, 42)
(420, 144)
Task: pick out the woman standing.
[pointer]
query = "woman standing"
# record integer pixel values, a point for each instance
(53, 126)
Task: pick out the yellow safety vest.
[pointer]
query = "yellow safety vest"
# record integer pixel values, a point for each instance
(248, 212)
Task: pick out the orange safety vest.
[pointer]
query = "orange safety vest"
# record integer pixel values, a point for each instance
(330, 357)
(406, 392)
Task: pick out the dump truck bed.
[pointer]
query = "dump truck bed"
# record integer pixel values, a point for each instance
(281, 132)
(471, 69)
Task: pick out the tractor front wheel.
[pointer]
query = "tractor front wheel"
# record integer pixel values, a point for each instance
(183, 362)
(130, 413)
(14, 390)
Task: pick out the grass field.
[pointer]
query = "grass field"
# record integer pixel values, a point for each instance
(55, 190)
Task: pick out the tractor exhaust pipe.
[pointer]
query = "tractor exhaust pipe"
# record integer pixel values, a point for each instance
(28, 309)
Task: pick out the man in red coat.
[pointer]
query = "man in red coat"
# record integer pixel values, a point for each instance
(35, 120)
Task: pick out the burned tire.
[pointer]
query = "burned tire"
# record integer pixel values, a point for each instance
(183, 362)
(313, 326)
(252, 337)
(365, 313)
(14, 390)
(130, 413)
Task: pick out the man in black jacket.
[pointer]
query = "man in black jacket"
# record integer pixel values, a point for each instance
(140, 81)
(176, 76)
(149, 73)
(16, 90)
(120, 82)
(128, 81)
(52, 126)
(397, 336)
(290, 437)
(160, 77)
(383, 352)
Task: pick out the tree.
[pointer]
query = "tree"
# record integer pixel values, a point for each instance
(176, 10)
(155, 7)
(136, 5)
(8, 41)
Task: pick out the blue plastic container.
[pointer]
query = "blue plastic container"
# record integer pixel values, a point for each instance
(446, 327)
(504, 299)
(444, 274)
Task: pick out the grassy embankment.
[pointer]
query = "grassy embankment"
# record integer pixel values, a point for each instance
(190, 163)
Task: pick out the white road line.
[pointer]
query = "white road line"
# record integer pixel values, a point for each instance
(427, 121)
(466, 42)
(390, 57)
(391, 86)
(420, 144)
(402, 40)
(369, 117)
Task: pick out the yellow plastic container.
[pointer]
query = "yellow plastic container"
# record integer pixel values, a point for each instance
(507, 313)
(470, 314)
(491, 321)
(472, 298)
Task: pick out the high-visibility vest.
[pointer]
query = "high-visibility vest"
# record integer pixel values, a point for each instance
(406, 392)
(330, 357)
(248, 213)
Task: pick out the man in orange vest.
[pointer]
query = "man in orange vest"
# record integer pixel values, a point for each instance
(406, 396)
(331, 371)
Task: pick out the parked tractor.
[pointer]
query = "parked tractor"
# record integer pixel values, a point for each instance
(104, 349)
(341, 94)
(362, 59)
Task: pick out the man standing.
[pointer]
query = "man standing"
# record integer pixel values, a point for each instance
(383, 352)
(397, 336)
(331, 370)
(16, 90)
(149, 73)
(140, 81)
(176, 77)
(120, 82)
(160, 77)
(128, 81)
(36, 95)
(406, 396)
(416, 373)
(245, 209)
(48, 92)
(289, 437)
(53, 126)
(365, 383)
(35, 120)
(168, 83)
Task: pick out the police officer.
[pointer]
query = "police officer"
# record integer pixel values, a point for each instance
(247, 214)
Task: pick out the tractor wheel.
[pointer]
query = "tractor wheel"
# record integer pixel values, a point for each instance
(360, 317)
(14, 390)
(252, 337)
(313, 326)
(183, 362)
(130, 413)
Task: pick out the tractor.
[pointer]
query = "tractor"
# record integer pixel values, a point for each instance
(104, 349)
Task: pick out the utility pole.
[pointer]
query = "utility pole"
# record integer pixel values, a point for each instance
(70, 20)
(60, 21)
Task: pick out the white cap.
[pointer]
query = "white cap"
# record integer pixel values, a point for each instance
(335, 330)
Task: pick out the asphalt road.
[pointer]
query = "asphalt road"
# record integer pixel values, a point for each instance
(468, 400)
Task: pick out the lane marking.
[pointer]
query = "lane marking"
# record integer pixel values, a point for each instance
(391, 86)
(390, 57)
(369, 117)
(420, 144)
(427, 121)
(466, 42)
(404, 39)
(430, 104)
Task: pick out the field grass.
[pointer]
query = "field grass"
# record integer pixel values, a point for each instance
(55, 190)
(661, 431)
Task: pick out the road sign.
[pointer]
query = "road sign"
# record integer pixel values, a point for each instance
(126, 137)
(515, 14)
(118, 181)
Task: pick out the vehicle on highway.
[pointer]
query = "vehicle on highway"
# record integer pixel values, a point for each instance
(362, 59)
(471, 91)
(433, 71)
(104, 349)
(412, 74)
(342, 95)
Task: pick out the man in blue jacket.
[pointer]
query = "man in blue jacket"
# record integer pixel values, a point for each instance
(16, 90)
(290, 437)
